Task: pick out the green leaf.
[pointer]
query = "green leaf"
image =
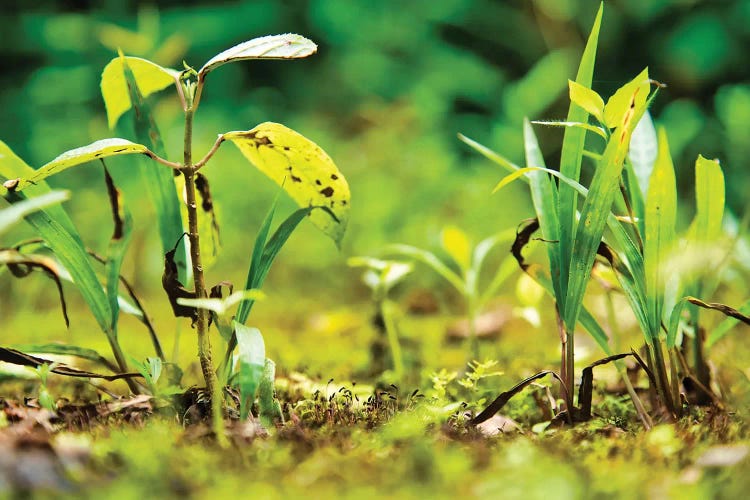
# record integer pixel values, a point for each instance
(100, 149)
(661, 214)
(571, 157)
(12, 167)
(159, 182)
(251, 360)
(597, 205)
(489, 154)
(587, 99)
(544, 197)
(709, 200)
(302, 169)
(431, 260)
(287, 46)
(252, 280)
(69, 250)
(150, 77)
(15, 213)
(269, 409)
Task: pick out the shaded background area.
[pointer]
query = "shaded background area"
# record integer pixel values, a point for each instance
(392, 84)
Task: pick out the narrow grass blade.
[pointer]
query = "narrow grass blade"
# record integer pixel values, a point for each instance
(544, 197)
(572, 156)
(430, 260)
(661, 215)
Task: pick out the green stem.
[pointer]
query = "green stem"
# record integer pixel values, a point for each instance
(662, 381)
(122, 364)
(386, 311)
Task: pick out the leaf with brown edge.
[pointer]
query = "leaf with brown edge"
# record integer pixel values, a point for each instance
(723, 308)
(586, 389)
(20, 265)
(523, 235)
(302, 169)
(19, 358)
(208, 224)
(504, 397)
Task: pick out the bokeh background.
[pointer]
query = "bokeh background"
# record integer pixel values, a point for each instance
(392, 84)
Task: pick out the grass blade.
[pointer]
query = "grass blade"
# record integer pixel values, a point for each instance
(661, 214)
(572, 156)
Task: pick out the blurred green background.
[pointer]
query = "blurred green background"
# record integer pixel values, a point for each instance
(392, 84)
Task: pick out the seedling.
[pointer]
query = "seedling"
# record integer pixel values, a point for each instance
(464, 272)
(381, 276)
(295, 163)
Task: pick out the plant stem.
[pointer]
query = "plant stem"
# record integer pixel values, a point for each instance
(386, 311)
(204, 343)
(122, 365)
(662, 381)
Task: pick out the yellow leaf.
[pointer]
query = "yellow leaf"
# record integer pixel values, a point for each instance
(302, 169)
(632, 95)
(587, 99)
(150, 77)
(457, 245)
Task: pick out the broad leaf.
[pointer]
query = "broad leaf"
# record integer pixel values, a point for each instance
(100, 149)
(251, 360)
(287, 46)
(150, 77)
(302, 169)
(709, 200)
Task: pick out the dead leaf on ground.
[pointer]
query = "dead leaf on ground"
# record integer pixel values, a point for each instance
(488, 325)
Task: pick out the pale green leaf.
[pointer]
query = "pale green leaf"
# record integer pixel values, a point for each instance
(15, 213)
(287, 46)
(584, 126)
(661, 214)
(221, 306)
(150, 77)
(302, 169)
(251, 360)
(587, 99)
(643, 150)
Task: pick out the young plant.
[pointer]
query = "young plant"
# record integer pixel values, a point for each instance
(381, 276)
(464, 272)
(294, 162)
(633, 194)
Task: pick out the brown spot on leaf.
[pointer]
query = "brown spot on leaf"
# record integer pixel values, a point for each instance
(327, 192)
(115, 203)
(296, 179)
(317, 181)
(334, 176)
